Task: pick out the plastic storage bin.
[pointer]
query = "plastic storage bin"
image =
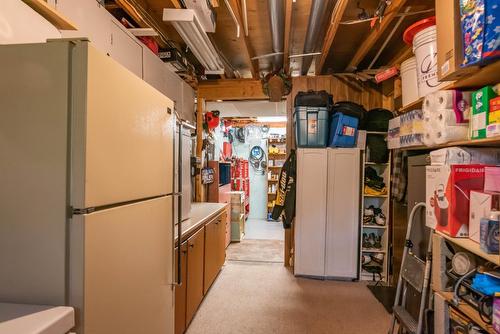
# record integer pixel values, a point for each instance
(343, 131)
(311, 126)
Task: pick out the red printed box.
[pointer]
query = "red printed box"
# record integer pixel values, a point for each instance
(447, 196)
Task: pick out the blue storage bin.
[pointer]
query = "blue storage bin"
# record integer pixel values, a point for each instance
(311, 126)
(343, 131)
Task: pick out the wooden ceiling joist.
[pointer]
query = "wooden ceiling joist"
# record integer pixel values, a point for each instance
(237, 89)
(392, 10)
(288, 28)
(236, 5)
(338, 12)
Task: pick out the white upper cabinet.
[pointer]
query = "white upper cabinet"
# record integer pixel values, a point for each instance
(126, 49)
(92, 20)
(21, 24)
(188, 95)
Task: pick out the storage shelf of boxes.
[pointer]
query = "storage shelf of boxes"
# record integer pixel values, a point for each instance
(374, 244)
(237, 215)
(240, 181)
(454, 112)
(276, 159)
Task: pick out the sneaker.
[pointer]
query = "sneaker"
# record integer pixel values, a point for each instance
(366, 241)
(377, 241)
(380, 219)
(377, 258)
(367, 220)
(369, 211)
(365, 259)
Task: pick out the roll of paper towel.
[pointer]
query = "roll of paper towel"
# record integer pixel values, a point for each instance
(429, 135)
(429, 102)
(445, 128)
(458, 101)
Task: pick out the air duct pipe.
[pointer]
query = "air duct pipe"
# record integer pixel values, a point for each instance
(321, 11)
(277, 22)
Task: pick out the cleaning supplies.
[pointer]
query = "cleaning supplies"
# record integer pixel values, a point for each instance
(480, 108)
(489, 233)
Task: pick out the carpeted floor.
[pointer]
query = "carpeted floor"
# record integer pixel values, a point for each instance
(255, 298)
(256, 251)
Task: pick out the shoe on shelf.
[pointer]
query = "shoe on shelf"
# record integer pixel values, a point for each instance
(379, 219)
(365, 259)
(367, 220)
(377, 241)
(366, 241)
(377, 258)
(370, 211)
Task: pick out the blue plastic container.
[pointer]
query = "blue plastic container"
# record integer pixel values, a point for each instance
(311, 126)
(343, 131)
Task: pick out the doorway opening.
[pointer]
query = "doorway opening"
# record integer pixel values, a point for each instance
(251, 139)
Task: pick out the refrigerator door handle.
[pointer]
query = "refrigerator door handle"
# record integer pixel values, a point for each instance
(178, 195)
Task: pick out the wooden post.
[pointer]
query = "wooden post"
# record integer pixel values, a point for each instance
(199, 149)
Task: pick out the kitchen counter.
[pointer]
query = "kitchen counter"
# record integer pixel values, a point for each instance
(200, 214)
(34, 319)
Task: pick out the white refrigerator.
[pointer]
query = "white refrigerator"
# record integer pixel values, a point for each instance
(86, 195)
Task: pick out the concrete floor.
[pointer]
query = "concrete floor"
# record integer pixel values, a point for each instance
(255, 298)
(259, 229)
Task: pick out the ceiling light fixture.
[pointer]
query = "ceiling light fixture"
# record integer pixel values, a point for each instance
(188, 26)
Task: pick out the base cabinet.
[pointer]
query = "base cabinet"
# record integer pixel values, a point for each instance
(215, 239)
(181, 290)
(194, 277)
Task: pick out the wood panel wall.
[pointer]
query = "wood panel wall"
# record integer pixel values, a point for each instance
(342, 90)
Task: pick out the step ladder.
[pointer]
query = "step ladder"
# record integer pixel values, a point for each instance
(415, 272)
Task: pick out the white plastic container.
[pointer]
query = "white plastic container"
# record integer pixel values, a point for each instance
(425, 50)
(409, 81)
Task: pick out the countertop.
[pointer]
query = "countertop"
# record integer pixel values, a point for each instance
(200, 214)
(35, 319)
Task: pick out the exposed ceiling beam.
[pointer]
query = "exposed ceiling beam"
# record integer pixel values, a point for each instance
(392, 10)
(237, 89)
(288, 28)
(249, 53)
(338, 13)
(176, 4)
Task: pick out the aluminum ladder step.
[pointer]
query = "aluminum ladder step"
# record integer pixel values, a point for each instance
(405, 319)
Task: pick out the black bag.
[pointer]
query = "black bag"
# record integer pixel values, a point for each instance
(378, 119)
(378, 148)
(314, 99)
(351, 109)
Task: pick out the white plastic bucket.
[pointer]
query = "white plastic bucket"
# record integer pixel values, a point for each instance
(409, 81)
(425, 50)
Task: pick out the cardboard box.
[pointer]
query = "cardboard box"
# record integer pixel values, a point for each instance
(447, 197)
(494, 112)
(492, 179)
(449, 41)
(481, 205)
(480, 109)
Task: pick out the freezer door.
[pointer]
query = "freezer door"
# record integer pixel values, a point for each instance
(342, 227)
(121, 269)
(122, 134)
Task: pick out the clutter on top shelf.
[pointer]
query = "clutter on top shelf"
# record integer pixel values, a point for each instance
(422, 35)
(343, 130)
(409, 84)
(492, 178)
(464, 156)
(411, 128)
(480, 21)
(482, 203)
(449, 39)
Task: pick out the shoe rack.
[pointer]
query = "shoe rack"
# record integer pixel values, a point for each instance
(374, 223)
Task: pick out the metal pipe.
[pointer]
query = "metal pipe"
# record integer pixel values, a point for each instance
(386, 41)
(304, 55)
(245, 16)
(277, 23)
(235, 20)
(318, 17)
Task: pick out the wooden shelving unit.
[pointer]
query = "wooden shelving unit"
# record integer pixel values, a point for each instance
(411, 106)
(273, 171)
(472, 247)
(486, 142)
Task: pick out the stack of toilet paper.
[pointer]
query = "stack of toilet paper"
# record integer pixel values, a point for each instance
(445, 117)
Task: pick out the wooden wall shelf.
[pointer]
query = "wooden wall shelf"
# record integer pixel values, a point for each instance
(487, 142)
